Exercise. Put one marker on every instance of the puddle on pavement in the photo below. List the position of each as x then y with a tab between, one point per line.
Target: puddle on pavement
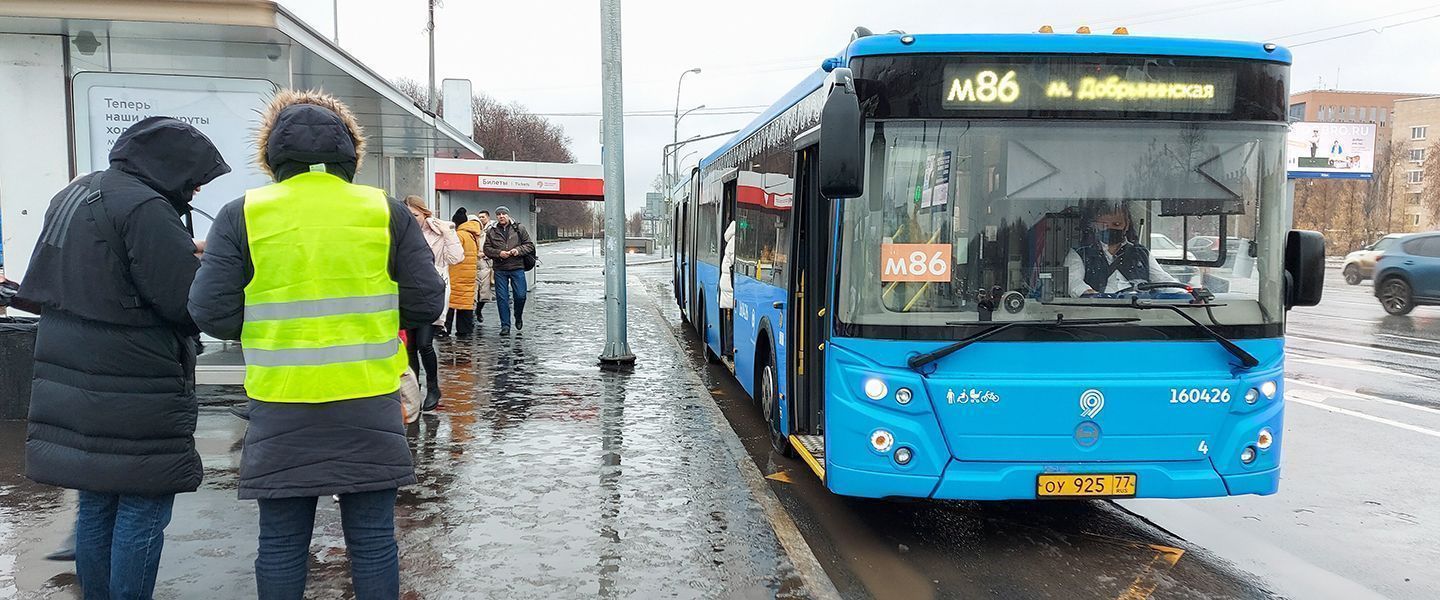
540	476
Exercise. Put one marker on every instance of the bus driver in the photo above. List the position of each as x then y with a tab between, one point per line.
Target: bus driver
1110	260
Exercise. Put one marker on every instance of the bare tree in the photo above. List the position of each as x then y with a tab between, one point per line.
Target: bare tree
634	224
1387	205
506	131
511	132
571	218
1429	191
415	90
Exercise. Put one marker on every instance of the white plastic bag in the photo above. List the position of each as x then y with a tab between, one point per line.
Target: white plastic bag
410	396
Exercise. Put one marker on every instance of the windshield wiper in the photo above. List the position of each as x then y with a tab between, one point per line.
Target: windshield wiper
921	360
1246	359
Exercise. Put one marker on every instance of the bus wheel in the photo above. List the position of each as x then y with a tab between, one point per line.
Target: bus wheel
767	391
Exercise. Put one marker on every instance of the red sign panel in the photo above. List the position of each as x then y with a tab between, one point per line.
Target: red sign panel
540	186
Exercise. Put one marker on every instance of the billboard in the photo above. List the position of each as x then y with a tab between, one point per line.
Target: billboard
227	110
1332	150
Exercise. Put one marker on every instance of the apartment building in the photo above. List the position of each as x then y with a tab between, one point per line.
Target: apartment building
1345	106
1416	127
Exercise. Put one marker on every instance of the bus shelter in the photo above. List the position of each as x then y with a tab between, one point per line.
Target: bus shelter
76	74
478	185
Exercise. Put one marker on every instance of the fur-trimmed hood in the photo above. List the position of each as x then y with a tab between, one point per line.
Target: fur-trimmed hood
307	128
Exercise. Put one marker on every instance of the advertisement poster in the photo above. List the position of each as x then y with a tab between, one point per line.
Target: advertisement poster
1341	150
226	110
936	184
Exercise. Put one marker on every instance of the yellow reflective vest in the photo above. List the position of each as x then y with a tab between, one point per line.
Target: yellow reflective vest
322	314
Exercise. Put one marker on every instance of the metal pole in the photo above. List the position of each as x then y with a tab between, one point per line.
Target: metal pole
335	8
675	128
433	101
617	347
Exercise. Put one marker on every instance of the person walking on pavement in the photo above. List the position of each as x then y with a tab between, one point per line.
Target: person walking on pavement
445	250
464	280
484	268
316	275
112	410
508	245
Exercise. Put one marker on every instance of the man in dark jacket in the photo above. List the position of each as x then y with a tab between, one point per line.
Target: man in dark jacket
316	276
507	244
112	409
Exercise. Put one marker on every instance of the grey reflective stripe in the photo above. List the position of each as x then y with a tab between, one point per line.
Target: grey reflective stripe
311	357
328	307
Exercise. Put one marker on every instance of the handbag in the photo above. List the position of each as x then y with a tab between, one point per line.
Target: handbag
410	396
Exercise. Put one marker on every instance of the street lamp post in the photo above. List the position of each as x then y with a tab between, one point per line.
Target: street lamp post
675	130
617	347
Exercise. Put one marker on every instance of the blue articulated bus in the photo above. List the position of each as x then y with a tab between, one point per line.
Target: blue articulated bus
984	266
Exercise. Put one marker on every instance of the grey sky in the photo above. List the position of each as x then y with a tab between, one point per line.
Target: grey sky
545	53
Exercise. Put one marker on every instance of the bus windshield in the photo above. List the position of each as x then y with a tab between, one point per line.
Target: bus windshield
1069	218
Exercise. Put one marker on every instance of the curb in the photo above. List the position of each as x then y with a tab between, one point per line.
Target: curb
602	266
802	558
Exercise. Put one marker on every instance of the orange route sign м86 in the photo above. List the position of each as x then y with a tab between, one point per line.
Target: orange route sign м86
915	262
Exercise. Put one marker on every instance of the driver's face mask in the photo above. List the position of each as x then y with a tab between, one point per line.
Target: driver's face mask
1108	235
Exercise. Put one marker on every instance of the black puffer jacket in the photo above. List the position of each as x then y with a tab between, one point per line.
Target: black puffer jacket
349	446
113	401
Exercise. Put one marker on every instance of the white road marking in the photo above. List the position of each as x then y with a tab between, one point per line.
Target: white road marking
1355	365
1357	346
1368	417
1406	337
1328	317
1363	396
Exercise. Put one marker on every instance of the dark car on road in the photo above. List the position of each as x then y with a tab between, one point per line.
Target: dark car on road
1408	273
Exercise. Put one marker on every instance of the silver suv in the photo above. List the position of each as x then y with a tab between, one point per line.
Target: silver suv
1360	264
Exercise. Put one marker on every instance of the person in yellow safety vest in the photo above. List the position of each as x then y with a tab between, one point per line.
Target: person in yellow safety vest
316	276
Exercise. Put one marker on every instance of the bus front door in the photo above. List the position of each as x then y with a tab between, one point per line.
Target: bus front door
727	316
806	332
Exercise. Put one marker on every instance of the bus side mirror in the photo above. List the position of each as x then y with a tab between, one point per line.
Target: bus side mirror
842	157
1304	268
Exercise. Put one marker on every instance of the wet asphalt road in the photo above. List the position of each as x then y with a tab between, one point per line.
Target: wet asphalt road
596	485
541	476
1355	516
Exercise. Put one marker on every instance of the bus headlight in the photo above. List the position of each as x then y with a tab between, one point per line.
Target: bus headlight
903	455
1247	455
875	389
1252	395
1265	439
881	440
1269	388
903	395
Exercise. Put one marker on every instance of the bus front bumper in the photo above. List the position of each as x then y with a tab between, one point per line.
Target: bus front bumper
965	480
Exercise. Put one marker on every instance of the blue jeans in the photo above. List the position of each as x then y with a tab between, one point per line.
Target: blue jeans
118	539
368	519
504	282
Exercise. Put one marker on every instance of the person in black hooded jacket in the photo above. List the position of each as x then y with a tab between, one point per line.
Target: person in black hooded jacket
299	448
112	409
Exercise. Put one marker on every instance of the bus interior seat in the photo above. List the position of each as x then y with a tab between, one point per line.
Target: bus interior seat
1049	244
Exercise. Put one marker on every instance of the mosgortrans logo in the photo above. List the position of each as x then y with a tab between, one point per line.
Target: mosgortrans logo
1091	403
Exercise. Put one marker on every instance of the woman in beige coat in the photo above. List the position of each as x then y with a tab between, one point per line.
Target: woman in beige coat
484	269
445	245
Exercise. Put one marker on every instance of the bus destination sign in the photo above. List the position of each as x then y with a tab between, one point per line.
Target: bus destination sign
1067	86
